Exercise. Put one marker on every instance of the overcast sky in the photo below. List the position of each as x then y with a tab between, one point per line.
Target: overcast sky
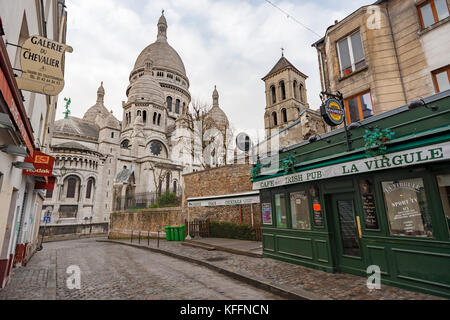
228	43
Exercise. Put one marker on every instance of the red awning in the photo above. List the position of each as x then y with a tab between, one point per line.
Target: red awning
49	184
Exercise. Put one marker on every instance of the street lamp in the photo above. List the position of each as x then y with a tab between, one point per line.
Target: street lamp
63	171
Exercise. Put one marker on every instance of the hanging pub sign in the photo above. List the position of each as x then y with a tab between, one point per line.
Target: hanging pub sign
43	165
332	112
42	62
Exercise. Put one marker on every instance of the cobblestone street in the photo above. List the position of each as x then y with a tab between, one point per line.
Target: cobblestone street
113	271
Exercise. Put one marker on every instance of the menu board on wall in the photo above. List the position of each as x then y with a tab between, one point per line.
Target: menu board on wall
370	213
266	213
317	213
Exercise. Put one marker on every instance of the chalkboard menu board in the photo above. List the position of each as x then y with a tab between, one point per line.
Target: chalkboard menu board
368	203
317	214
370	213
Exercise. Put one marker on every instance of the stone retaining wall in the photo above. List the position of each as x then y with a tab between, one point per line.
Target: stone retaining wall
228	179
153	220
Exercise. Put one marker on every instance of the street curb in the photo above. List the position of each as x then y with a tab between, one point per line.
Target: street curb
50	290
281	290
225	249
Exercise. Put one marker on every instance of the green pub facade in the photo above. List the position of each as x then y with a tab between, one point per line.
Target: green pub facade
384	200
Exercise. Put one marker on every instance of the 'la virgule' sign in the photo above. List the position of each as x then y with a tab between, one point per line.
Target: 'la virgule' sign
332	112
437	152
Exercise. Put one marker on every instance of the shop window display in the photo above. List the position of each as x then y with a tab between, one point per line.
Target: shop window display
300	210
407	208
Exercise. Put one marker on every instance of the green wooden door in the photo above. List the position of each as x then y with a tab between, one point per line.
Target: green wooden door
347	240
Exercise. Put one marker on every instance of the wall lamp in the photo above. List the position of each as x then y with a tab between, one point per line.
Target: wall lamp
5	122
14	150
314	139
354	125
23	165
420	103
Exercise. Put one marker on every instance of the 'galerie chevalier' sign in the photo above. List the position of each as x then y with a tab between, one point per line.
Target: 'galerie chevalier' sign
42	66
437	152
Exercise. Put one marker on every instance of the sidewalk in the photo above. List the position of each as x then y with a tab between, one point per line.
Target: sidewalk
243	247
289	280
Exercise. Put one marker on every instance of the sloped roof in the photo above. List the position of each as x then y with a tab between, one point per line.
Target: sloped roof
282	64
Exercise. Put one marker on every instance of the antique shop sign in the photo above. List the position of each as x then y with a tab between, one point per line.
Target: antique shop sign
437	152
224	202
42	66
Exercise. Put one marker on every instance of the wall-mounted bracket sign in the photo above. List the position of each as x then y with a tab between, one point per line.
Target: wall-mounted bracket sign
42	62
43	164
332	112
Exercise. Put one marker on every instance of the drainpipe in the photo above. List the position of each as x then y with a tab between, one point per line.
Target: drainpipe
396	54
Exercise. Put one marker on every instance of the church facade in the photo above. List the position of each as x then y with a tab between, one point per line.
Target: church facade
103	164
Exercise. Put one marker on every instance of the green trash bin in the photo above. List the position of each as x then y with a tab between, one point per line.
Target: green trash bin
176	233
168	233
181	232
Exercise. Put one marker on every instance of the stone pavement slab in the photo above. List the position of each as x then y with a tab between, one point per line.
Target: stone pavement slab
274	273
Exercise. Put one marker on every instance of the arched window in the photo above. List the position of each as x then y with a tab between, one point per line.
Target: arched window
183	111
284	115
282	90
169	104
274	119
112	134
167	182
125	144
71	187
154	117
274	94
174	186
301	92
295	89
89	186
177	106
159	119
139	112
144	116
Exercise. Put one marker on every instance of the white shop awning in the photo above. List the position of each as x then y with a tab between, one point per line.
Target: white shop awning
225	200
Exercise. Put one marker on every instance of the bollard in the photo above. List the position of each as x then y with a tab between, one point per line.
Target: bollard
148	238
139	238
158	238
131	236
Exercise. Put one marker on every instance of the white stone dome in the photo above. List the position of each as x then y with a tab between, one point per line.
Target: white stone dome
146	89
162	54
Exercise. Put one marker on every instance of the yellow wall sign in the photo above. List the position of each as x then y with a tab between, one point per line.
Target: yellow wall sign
42	65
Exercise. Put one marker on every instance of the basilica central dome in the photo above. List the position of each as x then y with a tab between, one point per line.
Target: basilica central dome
161	53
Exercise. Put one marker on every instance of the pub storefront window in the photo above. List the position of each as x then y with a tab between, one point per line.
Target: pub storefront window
407	208
300	210
444	191
280	210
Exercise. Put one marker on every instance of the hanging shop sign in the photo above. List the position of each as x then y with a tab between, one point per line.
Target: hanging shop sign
437	152
9	99
332	112
42	62
43	164
224	202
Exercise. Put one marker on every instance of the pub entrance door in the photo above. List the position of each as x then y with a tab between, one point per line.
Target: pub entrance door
347	240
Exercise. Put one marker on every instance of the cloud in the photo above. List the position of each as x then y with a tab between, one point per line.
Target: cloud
228	43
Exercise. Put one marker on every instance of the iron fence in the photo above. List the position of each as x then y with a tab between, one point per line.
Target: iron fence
141	201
